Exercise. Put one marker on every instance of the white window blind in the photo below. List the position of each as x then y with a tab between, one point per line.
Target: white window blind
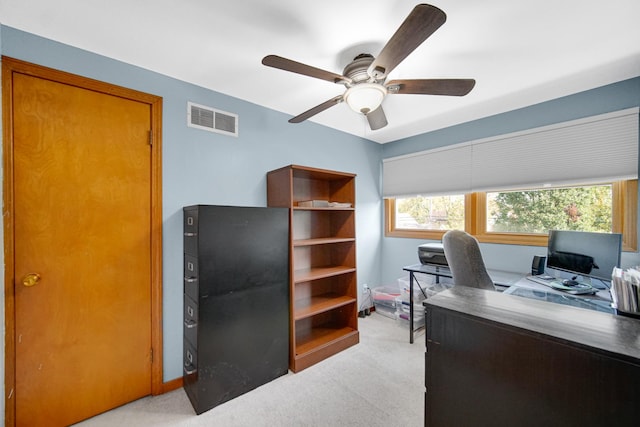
596	149
438	171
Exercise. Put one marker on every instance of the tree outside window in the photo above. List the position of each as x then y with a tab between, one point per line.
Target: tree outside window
431	213
538	211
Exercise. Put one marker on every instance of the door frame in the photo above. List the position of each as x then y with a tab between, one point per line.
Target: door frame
9	67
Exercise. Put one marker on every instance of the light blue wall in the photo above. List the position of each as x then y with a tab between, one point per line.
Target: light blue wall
208	168
399	252
613	97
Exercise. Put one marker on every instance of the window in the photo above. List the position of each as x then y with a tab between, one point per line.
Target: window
540	210
404	218
519	217
430	213
568	162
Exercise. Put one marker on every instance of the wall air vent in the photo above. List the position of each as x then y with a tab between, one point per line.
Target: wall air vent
207	118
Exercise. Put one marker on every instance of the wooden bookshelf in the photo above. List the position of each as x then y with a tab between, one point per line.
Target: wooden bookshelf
320	304
322	241
323	299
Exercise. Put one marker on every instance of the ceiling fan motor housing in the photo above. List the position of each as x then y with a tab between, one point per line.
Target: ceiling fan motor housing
357	69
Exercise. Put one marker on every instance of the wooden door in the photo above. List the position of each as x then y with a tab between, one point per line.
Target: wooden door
82	227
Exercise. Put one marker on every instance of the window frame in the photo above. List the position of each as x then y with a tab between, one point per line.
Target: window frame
624	220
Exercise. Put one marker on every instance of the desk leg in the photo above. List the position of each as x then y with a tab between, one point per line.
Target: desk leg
411	278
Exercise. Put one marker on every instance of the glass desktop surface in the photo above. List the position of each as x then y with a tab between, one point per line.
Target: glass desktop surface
588	303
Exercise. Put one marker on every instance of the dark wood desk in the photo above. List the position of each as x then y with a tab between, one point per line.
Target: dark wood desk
502	360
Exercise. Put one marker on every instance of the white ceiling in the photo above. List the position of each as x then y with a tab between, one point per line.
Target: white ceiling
519	52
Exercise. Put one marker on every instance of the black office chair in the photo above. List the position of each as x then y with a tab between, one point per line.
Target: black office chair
465	260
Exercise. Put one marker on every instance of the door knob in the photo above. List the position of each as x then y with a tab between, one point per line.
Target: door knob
31	279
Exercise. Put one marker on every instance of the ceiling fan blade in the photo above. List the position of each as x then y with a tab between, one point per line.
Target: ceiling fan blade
300	68
451	87
377	119
423	21
317	109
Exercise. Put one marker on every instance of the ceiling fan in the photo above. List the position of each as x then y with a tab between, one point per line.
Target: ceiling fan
365	77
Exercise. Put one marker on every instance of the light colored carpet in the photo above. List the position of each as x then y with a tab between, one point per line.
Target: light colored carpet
379	382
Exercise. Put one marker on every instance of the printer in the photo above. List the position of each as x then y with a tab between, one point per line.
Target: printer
432	253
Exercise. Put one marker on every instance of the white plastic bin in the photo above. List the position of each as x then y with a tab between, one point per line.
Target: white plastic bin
384	300
428	284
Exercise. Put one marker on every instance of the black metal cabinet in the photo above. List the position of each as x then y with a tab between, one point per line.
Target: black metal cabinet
236	300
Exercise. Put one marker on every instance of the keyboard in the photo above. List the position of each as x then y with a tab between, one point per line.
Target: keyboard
553	283
542	279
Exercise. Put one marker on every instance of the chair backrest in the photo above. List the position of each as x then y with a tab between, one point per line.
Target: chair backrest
465	260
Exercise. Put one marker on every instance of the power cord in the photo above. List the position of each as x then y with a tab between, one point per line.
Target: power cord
368	299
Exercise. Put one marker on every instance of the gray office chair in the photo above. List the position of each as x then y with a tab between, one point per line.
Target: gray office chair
465	260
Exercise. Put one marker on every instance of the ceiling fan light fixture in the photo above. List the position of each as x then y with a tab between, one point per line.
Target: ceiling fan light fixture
365	97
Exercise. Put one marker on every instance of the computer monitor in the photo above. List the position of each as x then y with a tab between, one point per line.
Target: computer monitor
584	253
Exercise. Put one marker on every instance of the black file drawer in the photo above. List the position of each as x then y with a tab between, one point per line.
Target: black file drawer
191	287
191	277
190	360
190	221
191	321
190	240
190	266
190	243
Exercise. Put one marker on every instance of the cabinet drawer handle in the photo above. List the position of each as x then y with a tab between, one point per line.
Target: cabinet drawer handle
190	324
190	279
190	234
189	369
